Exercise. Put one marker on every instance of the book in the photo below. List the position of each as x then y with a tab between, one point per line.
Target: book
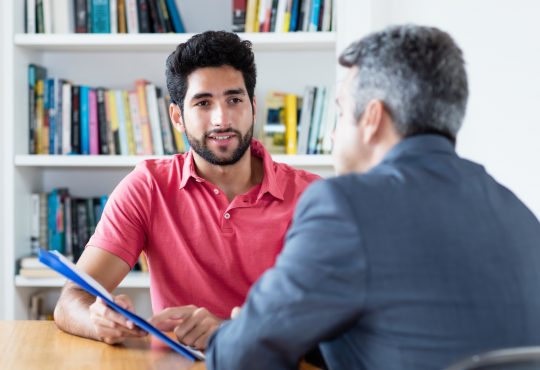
113	15
100	16
144	16
61	16
291	123
176	19
239	15
80	16
30	16
66	268
93	122
305	119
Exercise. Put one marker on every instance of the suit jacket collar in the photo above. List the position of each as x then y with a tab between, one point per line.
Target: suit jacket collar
420	145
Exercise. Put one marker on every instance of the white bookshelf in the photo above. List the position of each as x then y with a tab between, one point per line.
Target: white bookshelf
97	161
132	280
285	62
167	42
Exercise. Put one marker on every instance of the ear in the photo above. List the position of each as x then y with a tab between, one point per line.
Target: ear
254	107
176	117
372	120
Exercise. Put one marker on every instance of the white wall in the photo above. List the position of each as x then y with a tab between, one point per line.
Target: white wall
500	41
2	247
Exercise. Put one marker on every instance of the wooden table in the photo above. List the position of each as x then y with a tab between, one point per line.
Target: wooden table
39	345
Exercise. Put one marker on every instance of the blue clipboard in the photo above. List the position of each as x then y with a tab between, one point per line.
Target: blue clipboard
63	266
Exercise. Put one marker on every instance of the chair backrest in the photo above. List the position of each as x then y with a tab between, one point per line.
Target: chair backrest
524	358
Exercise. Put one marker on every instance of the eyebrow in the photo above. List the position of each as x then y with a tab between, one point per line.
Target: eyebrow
203	95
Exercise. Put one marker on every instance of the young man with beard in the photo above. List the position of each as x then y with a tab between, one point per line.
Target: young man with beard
210	221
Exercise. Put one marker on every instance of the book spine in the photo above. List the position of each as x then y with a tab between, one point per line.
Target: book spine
84	120
314	19
47	16
305	119
61	16
294	15
166	133
140	86
34	222
80	16
40	24
251	14
317	118
66	118
122	132
100	16
136	121
30	12
102	121
154	17
32	109
131	15
144	17
113	15
75	120
89	16
51	114
153	114
93	122
129	124
113	109
291	123
176	19
239	15
58	113
166	16
122	22
273	15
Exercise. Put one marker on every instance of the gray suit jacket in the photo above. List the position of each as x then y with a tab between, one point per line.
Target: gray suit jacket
418	263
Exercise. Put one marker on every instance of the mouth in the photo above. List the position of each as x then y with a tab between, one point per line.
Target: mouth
222	138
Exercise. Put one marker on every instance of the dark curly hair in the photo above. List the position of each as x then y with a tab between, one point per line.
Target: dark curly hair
209	49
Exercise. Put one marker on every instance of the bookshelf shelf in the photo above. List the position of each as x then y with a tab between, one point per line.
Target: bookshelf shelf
299	41
133	280
116	161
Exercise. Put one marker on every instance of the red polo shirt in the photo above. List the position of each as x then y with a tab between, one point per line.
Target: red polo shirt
201	249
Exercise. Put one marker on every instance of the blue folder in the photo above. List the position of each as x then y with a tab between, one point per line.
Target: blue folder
62	265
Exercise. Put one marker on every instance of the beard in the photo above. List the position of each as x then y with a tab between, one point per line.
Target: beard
200	147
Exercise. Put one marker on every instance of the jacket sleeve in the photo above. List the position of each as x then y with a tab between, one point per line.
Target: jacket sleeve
313	293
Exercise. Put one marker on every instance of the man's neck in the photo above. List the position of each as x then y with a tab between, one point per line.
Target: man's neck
235	179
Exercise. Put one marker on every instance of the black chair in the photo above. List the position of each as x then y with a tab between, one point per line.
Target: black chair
523	358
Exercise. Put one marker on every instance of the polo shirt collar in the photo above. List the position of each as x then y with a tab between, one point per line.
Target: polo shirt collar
269	183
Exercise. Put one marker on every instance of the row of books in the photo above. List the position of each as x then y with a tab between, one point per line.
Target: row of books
63	223
308	130
102	16
65	118
283	15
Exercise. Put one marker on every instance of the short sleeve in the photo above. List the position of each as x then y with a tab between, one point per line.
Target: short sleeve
122	229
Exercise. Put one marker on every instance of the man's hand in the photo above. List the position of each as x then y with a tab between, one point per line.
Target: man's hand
192	325
110	326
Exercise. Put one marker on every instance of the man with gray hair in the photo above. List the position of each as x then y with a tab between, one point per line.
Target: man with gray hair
413	257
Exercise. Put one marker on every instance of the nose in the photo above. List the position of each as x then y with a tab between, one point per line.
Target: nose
219	117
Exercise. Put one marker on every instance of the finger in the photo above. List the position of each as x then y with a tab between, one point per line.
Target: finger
202	342
235	312
170	317
99	308
100	322
125	302
182	330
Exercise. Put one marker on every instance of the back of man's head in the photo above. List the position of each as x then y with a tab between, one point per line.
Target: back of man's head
417	72
209	49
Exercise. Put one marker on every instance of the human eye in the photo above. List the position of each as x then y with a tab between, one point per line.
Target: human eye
235	100
202	103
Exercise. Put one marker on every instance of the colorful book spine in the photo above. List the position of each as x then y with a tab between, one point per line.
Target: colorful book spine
136	121
239	15
153	115
291	123
176	18
315	13
66	117
129	124
140	86
93	122
100	16
85	119
103	128
113	111
75	120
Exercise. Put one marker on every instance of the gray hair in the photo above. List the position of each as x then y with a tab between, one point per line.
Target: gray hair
417	72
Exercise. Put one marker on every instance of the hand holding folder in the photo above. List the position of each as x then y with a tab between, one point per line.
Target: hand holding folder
62	265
